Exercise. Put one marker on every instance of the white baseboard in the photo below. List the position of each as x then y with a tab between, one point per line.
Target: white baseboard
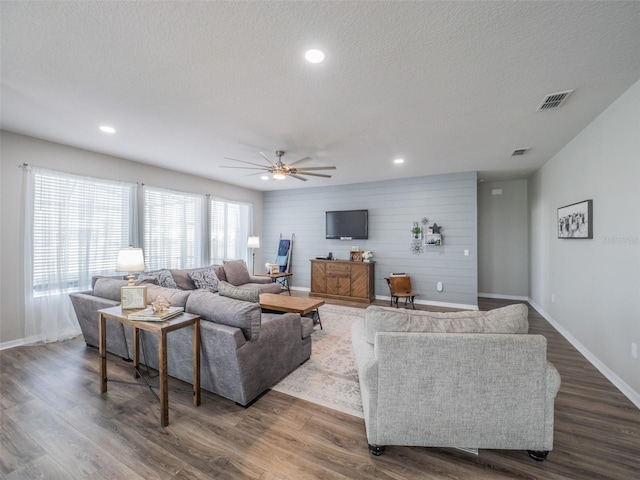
620	384
463	306
503	297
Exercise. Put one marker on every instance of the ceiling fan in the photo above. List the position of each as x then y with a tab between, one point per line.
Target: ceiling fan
279	170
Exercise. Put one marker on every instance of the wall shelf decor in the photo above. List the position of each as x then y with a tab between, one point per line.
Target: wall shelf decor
425	236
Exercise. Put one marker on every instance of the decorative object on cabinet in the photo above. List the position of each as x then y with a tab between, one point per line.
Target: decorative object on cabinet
356	256
367	255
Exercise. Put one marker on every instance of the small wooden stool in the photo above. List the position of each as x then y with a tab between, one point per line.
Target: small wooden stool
400	287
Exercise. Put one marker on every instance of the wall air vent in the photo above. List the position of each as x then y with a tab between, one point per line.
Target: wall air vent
519	151
554	100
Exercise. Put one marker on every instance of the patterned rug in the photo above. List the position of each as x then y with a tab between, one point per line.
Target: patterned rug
329	378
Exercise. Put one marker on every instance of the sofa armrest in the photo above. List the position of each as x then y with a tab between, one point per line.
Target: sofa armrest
262	280
367	366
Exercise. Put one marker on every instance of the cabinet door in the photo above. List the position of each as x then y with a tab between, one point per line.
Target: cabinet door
318	277
344	286
360	280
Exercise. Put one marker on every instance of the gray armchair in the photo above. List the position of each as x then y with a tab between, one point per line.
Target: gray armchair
464	379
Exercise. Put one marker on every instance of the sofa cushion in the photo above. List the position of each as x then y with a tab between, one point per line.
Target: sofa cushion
182	279
236	272
510	319
219	269
213	307
177	298
246	295
205	278
163	277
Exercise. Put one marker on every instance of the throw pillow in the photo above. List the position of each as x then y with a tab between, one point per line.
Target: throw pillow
163	277
227	290
236	272
205	278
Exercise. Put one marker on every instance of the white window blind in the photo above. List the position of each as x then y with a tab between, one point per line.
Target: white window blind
79	224
230	225
173	229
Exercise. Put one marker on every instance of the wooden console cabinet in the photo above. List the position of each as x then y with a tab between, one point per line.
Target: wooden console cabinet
343	280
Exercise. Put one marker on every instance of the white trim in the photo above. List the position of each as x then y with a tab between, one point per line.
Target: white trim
463	306
620	384
20	342
503	297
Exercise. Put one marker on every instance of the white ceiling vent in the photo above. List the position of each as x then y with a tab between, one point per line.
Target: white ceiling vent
519	151
554	100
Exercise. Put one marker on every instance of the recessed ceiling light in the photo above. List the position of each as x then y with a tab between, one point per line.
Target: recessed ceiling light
398	160
107	129
314	56
264	177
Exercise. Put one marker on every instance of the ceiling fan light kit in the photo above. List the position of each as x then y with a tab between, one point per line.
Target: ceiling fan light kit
280	170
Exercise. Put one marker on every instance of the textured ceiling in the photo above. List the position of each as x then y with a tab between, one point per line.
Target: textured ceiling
449	86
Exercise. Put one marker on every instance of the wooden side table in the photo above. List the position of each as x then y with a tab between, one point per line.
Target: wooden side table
161	329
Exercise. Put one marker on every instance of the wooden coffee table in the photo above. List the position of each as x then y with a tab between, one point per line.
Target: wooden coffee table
299	305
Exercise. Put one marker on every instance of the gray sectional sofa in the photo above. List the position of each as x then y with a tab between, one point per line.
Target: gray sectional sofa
243	351
463	379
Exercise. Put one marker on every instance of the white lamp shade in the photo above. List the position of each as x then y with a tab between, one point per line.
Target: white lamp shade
130	260
254	242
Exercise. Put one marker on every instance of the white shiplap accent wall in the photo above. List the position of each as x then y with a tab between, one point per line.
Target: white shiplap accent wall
449	200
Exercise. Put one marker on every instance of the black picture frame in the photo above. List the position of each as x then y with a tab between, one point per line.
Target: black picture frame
575	221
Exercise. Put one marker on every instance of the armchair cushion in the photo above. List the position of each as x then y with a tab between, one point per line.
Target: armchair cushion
509	319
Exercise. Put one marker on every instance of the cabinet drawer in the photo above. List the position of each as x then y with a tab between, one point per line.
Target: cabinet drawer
338	269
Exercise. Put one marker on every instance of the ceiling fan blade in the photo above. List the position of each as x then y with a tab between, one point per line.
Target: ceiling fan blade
266	169
298	177
243	161
265	156
315	174
305	159
316	168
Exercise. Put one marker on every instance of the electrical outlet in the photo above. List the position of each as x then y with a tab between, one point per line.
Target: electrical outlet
634	350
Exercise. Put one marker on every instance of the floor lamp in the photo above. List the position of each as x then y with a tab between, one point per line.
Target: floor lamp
253	243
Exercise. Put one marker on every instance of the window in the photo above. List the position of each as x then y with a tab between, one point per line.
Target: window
230	229
79	223
174	225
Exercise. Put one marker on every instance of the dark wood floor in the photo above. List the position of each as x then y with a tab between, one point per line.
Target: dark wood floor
56	424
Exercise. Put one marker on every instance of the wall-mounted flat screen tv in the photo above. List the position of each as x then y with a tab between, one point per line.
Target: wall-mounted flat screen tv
347	224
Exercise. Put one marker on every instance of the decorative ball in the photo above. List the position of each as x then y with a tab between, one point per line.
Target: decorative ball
160	305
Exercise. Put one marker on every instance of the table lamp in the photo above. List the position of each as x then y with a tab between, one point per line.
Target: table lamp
253	243
131	260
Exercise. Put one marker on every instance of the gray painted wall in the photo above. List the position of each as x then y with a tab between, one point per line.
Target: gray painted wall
503	240
19	149
448	200
595	282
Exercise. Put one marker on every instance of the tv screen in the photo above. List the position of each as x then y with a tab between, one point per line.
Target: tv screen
347	224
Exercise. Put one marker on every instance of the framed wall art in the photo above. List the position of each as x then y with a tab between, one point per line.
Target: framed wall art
576	220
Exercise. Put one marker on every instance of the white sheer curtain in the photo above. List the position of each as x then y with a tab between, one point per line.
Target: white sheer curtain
230	227
73	228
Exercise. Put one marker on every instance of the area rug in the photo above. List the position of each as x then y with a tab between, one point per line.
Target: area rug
329	378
